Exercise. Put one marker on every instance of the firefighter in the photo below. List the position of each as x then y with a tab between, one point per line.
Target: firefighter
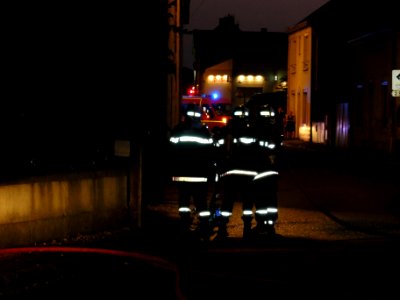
247	175
191	146
268	130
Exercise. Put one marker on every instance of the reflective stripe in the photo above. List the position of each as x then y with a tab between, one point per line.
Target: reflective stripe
240	113
193	114
266	144
247	212
239	172
184	209
204	214
265	113
268	222
190	138
247	140
226	213
264	174
269	210
189	179
250	173
216	178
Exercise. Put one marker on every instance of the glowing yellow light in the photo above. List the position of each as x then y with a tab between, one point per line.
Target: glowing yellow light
304	132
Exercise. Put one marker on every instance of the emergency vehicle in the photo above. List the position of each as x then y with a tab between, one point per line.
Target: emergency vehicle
216	114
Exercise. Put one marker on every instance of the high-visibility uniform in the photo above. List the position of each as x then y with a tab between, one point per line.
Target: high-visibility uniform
193	170
247	175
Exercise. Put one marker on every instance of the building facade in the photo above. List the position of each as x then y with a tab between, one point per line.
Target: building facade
299	84
340	65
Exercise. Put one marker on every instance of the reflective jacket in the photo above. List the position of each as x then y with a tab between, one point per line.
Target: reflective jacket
247	162
192	153
241	146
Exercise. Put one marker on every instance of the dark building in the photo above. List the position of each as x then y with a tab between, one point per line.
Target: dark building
229	52
354	48
81	76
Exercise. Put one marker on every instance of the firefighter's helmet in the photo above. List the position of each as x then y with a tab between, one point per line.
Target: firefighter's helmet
266	111
240	112
193	111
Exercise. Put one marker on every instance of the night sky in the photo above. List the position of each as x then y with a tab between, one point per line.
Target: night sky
274	15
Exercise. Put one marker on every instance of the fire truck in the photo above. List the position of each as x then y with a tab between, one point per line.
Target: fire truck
216	114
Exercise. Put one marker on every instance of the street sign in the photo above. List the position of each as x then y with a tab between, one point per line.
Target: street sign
396	93
396	80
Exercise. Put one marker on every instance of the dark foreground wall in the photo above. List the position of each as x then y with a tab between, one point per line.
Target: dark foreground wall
53	207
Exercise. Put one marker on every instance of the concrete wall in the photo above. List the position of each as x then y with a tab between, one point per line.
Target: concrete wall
54	207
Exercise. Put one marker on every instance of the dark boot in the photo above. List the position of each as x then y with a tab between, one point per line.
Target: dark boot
265	227
186	221
204	228
247	227
223	228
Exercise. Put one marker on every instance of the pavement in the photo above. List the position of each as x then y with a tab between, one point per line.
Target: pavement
324	195
324	190
337	235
